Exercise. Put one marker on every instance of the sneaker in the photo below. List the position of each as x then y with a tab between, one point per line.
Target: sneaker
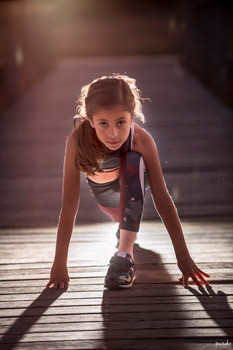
121	272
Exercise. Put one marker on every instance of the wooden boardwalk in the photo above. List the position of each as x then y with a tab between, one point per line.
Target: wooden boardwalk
156	313
193	132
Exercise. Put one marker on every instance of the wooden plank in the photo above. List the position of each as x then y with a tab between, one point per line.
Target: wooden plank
194	225
84	271
22	235
114	325
181	316
119	334
149	290
118	300
198	258
140	279
143	277
146	270
96	230
146	227
35	267
138	289
157	246
80	309
96	257
145	344
36	289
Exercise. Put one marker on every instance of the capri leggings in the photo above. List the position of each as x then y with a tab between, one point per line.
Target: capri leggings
123	199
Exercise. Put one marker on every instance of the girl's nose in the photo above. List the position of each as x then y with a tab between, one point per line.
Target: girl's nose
112	132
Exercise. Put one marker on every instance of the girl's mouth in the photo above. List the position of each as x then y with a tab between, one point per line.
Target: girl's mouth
113	143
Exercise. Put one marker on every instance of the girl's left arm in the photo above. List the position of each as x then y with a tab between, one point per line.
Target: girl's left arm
167	210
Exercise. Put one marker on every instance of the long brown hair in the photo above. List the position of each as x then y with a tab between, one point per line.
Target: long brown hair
103	92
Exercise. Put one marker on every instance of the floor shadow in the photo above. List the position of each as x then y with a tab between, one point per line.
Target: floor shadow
223	317
29	317
133	318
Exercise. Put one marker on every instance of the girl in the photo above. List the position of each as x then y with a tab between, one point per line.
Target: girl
118	158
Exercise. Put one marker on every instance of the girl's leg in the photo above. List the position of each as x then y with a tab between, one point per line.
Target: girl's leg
132	191
125	205
131	200
126	244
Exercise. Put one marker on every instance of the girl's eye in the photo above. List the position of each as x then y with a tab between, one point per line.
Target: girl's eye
121	123
103	124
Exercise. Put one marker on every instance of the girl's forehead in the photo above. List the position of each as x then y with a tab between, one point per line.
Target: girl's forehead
111	113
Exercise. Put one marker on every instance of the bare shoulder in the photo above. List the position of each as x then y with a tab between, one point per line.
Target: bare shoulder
142	139
71	146
71	138
145	145
72	133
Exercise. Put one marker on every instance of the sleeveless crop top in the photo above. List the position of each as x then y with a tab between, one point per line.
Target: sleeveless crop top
112	161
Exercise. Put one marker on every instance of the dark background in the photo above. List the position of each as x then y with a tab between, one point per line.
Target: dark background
34	34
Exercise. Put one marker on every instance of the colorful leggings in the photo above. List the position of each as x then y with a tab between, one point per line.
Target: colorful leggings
123	199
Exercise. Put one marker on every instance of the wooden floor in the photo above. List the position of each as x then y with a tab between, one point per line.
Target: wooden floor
156	313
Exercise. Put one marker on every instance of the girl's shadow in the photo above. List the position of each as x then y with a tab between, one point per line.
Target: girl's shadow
133	324
29	317
133	318
209	299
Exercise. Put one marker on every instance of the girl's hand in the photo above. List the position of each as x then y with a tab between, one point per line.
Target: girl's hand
190	269
59	276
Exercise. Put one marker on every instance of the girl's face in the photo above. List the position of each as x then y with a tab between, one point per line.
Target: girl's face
112	126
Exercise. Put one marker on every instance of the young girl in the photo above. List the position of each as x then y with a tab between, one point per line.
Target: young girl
118	158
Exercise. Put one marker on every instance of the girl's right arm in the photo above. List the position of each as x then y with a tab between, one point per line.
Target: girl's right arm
70	200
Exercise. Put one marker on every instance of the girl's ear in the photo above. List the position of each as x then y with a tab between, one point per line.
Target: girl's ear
91	124
132	118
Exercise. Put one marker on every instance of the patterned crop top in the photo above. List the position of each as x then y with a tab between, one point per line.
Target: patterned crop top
112	161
